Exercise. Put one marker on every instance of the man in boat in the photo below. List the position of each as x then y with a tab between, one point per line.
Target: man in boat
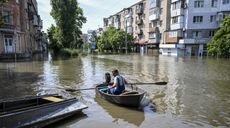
118	86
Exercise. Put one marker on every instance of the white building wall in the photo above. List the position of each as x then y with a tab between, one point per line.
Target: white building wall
205	11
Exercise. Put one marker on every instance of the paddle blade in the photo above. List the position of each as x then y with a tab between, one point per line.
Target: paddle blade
155	83
161	83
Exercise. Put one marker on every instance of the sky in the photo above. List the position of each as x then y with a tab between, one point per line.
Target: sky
94	11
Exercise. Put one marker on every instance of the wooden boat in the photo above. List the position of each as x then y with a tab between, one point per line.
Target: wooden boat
131	97
37	111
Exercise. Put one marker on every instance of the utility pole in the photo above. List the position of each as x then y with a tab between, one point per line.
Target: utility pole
126	49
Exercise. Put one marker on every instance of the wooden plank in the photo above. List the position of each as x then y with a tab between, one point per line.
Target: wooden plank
53	99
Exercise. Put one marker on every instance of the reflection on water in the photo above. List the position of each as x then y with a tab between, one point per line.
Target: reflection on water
198	91
131	115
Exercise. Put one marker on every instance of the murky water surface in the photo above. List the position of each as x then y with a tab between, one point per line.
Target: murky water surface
197	95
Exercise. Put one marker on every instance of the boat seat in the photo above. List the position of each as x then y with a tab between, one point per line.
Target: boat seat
129	93
53	99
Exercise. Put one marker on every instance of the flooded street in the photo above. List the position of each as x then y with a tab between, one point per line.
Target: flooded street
197	93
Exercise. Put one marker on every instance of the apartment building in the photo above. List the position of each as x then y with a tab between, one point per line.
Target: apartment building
193	23
134	20
145	20
159	19
20	29
176	27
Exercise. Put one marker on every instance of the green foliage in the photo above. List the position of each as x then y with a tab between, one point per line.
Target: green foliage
3	1
54	39
113	40
220	43
66	52
69	20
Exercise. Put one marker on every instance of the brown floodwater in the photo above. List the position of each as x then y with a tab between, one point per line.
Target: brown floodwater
197	93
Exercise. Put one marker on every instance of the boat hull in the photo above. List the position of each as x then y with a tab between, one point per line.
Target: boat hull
40	115
132	100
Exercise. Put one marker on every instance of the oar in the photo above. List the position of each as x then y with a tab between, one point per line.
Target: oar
75	90
156	83
83	89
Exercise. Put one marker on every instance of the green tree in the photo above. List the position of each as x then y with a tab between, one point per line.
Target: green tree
3	1
54	41
69	19
113	40
220	43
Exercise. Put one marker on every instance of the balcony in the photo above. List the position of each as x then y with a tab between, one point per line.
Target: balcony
153	29
177	26
153	41
117	25
194	41
35	21
139	21
172	40
38	36
154	17
129	30
139	32
172	1
177	12
129	22
41	23
128	12
139	10
168	46
154	4
128	15
7	27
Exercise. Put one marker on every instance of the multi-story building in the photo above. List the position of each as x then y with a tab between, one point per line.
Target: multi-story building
177	27
133	20
20	29
159	19
145	20
92	34
193	23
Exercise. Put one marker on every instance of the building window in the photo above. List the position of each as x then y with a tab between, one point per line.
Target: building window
152	35
174	20
199	3
211	33
197	19
196	34
225	1
214	3
6	17
176	5
212	18
173	34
